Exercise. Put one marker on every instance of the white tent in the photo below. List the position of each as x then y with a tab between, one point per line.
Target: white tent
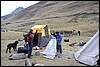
50	50
89	53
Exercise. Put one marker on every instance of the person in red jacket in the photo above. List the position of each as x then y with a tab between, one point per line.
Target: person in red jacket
30	42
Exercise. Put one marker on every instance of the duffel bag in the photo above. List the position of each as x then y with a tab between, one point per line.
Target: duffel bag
22	50
17	56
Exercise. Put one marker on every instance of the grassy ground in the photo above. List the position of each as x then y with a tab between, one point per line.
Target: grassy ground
67	58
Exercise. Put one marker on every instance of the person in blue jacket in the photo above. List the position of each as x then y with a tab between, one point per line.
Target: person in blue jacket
59	43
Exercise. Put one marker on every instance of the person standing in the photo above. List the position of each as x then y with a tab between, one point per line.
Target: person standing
35	40
30	43
59	43
25	38
54	34
79	33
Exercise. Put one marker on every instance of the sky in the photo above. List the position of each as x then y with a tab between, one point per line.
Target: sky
9	6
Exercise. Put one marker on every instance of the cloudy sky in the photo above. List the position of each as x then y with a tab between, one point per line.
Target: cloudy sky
9	6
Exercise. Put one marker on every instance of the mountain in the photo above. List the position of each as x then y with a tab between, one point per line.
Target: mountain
5	16
58	15
45	9
17	10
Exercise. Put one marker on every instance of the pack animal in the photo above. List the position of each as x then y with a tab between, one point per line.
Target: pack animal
12	45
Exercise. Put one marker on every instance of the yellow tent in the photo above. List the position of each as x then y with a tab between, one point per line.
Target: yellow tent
41	29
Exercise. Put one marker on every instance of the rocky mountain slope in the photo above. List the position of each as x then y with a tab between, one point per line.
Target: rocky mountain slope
17	10
46	9
58	15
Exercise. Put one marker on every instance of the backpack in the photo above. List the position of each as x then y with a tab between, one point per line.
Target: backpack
30	36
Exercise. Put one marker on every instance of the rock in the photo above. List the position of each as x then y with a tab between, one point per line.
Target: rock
33	63
27	62
68	57
39	64
59	56
37	53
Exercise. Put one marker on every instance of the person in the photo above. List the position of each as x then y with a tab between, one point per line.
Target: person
59	43
79	33
25	38
35	40
54	34
30	43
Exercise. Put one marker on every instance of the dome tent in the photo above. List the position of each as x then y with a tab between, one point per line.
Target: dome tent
89	53
44	34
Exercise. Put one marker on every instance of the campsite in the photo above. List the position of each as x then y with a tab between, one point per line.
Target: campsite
67	58
68	16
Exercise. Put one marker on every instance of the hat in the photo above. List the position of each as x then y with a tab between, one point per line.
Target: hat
31	31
